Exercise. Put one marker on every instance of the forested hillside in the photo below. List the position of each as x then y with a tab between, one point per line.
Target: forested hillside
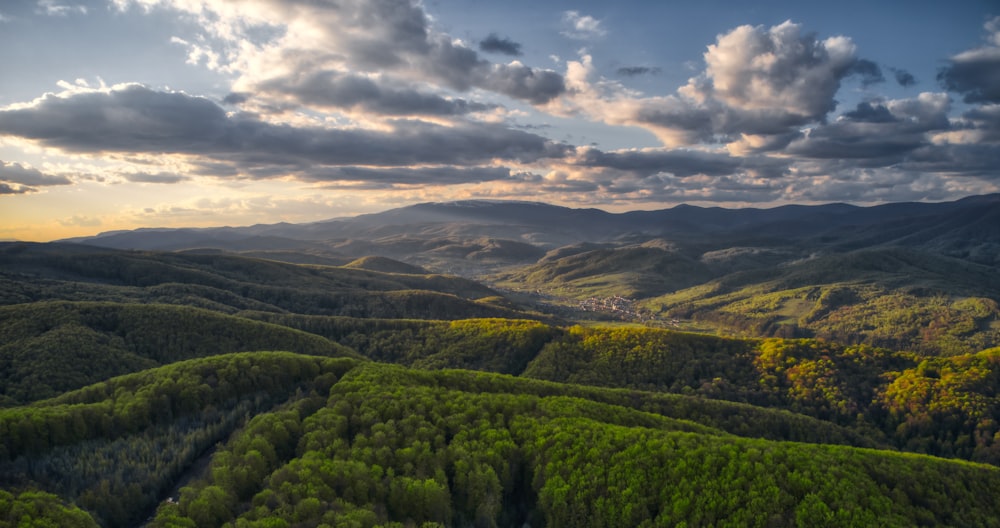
947	406
230	283
340	442
47	348
116	447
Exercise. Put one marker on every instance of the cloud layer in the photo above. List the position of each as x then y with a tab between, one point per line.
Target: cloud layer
372	95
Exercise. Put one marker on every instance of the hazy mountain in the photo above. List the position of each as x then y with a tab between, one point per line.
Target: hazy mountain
968	228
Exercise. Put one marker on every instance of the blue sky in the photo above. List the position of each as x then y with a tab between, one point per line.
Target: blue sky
117	114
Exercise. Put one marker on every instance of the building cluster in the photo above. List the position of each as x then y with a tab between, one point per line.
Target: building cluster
616	304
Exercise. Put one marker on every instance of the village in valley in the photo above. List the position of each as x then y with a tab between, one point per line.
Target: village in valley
623	307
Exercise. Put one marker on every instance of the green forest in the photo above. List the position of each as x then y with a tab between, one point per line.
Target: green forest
190	390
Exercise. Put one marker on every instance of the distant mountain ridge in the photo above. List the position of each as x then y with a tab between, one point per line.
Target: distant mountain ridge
967	228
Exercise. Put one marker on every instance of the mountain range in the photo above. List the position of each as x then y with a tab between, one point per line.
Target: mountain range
967	228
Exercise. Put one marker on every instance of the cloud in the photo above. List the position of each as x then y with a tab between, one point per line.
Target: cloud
581	27
159	177
281	42
493	43
971	160
869	72
29	177
867	185
389	177
55	8
80	221
11	189
903	77
135	119
680	163
979	125
882	134
235	98
635	71
332	89
976	73
757	81
777	73
521	82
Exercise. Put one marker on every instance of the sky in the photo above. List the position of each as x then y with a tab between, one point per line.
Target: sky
121	114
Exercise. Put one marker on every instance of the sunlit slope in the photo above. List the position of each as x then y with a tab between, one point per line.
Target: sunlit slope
455	449
896	298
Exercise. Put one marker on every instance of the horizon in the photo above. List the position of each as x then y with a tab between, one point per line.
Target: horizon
74	239
126	114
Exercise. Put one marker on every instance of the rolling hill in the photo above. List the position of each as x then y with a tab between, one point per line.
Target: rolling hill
52	347
230	283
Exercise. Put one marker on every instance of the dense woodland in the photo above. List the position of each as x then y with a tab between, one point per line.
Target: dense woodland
208	389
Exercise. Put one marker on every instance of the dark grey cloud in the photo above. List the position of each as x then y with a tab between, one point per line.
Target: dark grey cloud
493	43
881	134
130	119
19	174
236	98
159	177
409	39
975	160
869	72
871	113
394	37
635	71
985	122
461	69
680	163
903	77
843	142
521	82
8	189
345	90
137	119
219	169
389	177
975	74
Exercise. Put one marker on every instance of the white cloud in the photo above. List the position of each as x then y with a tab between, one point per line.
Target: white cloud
581	27
56	8
756	81
81	221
